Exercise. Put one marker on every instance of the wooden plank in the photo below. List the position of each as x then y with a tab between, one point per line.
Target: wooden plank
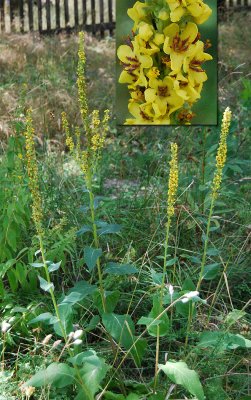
110	16
21	15
88	28
93	15
76	19
84	12
66	14
30	15
2	16
231	3
239	3
101	10
48	14
57	6
39	15
12	15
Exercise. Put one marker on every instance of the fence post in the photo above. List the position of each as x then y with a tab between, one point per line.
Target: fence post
2	17
57	4
21	15
39	15
84	12
110	17
101	11
48	15
66	14
12	15
76	19
30	14
93	13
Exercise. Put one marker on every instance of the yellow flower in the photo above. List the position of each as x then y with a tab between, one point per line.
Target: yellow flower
163	15
145	31
178	44
199	10
173	180
153	73
162	94
221	153
137	13
177	9
192	64
133	64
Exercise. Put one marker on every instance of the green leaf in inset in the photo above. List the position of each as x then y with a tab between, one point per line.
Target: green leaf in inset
91	256
57	375
180	374
44	285
120	269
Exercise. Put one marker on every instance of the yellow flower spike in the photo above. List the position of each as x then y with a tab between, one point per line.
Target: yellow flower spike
221	153
32	169
173	180
105	122
69	141
81	78
78	143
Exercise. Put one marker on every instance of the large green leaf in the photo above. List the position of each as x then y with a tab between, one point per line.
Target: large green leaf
120	269
121	328
163	327
111	300
93	371
223	341
66	318
180	374
91	256
57	375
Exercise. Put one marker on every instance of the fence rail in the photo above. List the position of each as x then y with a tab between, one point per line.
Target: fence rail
53	16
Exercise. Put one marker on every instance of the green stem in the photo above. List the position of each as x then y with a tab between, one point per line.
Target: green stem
161	302
95	237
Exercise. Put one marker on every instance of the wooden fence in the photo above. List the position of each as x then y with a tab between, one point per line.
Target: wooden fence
53	16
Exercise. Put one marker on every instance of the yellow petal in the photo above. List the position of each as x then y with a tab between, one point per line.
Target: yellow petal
190	31
150	95
145	32
126	78
171	30
146	61
123	52
176	61
177	14
159	38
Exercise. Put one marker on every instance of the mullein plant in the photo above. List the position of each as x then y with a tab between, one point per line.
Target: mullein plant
37	216
162	61
95	131
171	199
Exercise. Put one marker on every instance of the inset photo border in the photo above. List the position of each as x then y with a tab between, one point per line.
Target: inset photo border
166	69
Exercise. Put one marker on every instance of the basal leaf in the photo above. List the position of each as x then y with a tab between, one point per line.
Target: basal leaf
57	375
180	374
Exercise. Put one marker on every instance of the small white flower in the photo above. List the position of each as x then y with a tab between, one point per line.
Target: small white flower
77	334
46	339
185	300
171	290
70	336
56	344
190	295
77	342
5	326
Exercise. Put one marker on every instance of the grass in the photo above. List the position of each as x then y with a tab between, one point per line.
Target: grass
133	183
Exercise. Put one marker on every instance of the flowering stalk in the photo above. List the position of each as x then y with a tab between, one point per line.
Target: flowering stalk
172	194
216	184
220	163
33	181
95	134
162	61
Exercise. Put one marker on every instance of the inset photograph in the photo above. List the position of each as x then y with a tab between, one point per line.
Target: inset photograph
166	62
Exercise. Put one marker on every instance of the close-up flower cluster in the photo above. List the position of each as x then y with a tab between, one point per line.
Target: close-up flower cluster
162	61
